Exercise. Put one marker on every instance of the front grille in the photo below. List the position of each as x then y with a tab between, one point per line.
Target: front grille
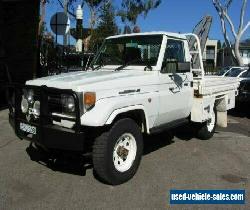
55	104
50	102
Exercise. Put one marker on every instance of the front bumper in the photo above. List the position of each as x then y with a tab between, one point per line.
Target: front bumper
50	136
47	134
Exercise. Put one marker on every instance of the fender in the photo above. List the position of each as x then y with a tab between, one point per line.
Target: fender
202	108
107	109
116	112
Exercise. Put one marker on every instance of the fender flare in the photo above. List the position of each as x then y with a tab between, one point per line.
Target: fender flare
116	112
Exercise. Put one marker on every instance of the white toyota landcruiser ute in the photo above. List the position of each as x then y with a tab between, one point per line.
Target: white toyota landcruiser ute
137	84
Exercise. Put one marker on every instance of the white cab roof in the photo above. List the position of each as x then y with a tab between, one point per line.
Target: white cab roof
177	35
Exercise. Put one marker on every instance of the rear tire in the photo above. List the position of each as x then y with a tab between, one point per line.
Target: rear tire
206	130
117	153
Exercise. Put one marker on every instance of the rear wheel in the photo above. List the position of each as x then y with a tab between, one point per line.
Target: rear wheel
117	153
206	130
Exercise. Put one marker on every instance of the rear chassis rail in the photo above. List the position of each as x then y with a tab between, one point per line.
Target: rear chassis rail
49	135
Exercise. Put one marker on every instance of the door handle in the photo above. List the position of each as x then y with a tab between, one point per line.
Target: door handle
174	89
171	76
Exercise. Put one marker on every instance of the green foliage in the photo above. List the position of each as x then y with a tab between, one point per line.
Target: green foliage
106	24
131	9
94	3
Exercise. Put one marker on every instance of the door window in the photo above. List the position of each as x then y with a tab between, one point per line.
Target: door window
174	53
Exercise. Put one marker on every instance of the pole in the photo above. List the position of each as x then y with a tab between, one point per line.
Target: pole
56	45
66	13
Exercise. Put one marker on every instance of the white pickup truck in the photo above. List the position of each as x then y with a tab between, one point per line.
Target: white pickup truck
137	84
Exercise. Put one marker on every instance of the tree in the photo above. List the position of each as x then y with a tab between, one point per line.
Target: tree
42	17
92	4
222	9
93	7
106	24
132	9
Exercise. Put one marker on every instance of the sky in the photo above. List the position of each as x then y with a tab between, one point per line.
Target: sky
172	16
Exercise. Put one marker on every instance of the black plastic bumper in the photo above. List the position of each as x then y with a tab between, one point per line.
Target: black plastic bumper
51	136
47	134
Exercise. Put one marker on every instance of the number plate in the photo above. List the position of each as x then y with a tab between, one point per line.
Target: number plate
28	128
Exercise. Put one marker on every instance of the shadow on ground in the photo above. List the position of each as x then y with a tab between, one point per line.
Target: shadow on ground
64	162
77	164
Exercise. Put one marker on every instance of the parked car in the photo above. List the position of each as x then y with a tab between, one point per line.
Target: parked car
236	72
230	70
224	70
244	89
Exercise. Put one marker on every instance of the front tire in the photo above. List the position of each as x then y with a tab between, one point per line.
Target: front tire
117	153
206	130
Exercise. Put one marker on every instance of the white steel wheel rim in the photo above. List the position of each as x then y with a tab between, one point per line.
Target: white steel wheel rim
124	152
211	123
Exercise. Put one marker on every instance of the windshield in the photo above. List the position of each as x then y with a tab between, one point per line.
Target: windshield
137	50
234	72
222	72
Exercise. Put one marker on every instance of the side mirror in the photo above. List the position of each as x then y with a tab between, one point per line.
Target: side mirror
169	66
183	67
173	66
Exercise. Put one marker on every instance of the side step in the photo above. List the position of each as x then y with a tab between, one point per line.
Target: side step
168	126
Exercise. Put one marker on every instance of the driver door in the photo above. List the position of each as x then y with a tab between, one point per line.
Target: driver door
175	89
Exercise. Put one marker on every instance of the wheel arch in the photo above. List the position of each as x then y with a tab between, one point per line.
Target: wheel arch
136	113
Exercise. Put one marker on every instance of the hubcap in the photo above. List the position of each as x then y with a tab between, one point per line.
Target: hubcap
124	152
211	122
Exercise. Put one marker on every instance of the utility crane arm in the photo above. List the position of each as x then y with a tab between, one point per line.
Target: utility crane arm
197	44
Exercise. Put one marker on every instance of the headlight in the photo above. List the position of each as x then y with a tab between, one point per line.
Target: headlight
36	109
24	105
68	103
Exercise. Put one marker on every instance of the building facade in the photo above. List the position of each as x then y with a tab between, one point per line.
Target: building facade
210	55
225	57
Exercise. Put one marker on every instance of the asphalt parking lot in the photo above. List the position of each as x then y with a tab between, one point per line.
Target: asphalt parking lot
171	161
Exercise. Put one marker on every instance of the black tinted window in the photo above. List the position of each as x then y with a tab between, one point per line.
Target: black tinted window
174	50
174	53
137	50
234	72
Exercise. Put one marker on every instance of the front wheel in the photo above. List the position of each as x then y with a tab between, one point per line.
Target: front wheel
117	153
206	130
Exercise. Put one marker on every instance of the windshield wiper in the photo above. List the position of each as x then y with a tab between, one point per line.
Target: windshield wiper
102	63
127	64
131	62
97	67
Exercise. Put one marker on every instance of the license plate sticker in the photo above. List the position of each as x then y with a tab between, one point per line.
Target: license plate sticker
27	128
